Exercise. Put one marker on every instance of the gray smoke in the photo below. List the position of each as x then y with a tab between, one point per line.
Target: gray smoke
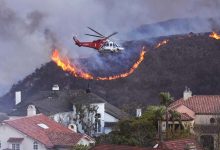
30	29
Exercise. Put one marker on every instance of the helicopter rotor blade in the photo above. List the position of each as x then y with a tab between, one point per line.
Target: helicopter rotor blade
96	32
95	35
111	35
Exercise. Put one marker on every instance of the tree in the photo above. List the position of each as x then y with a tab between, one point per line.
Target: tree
159	117
135	131
166	100
174	116
86	117
80	147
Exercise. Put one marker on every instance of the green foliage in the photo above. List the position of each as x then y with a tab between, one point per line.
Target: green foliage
166	98
179	134
135	131
80	147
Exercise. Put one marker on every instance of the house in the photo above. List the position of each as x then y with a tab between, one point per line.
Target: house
63	107
181	144
121	147
106	115
38	132
202	116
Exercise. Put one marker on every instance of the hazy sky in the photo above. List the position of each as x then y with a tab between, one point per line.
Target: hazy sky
29	28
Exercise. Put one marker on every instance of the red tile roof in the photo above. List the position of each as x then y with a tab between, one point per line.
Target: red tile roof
180	144
55	135
186	117
200	104
183	116
119	147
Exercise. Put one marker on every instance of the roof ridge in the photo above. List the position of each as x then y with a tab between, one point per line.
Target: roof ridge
23	117
206	95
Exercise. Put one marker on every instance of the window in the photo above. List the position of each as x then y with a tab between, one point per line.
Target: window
98	115
15	146
98	122
35	145
212	120
110	44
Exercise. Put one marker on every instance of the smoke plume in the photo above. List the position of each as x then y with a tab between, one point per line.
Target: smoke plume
29	30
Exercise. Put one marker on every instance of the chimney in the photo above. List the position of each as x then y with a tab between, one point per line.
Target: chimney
88	90
138	112
72	127
31	110
187	93
55	87
17	97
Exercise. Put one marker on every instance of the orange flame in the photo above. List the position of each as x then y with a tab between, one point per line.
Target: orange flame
66	65
161	43
215	35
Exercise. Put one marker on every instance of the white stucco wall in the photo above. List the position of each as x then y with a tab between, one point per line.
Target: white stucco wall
107	130
109	118
85	141
7	132
204	119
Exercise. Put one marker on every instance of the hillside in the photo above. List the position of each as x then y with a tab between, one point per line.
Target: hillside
191	61
176	26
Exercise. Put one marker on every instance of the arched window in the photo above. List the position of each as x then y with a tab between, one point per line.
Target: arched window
212	120
207	141
35	145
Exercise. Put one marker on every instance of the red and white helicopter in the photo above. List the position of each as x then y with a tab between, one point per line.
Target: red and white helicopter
102	45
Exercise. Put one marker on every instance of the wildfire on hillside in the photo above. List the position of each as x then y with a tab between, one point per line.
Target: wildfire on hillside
215	35
161	43
66	65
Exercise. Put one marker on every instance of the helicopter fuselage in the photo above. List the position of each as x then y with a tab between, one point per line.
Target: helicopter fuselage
102	45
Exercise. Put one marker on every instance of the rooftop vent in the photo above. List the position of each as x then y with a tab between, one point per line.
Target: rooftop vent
88	90
55	87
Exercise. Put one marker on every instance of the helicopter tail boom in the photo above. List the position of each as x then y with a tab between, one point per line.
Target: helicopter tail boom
77	42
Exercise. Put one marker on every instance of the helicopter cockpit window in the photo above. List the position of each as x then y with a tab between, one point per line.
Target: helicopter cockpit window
106	44
110	44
